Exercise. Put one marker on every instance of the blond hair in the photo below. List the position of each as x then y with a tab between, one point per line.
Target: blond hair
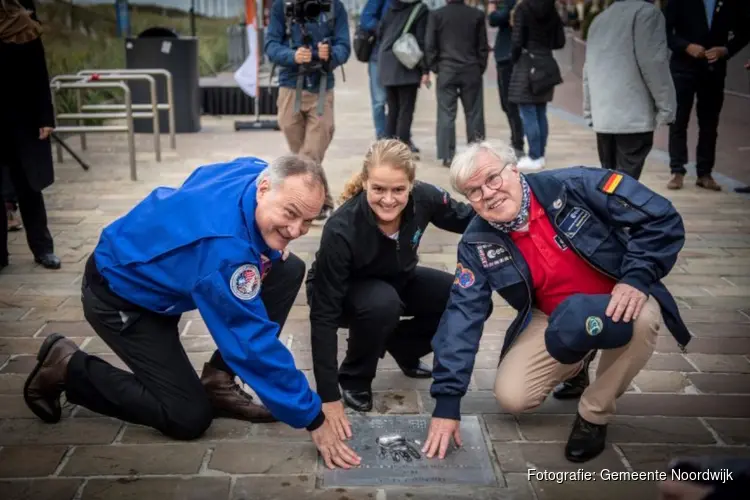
383	152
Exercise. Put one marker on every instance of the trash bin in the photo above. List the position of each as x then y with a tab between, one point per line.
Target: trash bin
162	48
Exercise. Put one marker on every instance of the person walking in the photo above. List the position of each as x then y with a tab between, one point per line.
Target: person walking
537	31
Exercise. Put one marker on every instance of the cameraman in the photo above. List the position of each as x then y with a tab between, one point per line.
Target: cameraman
309	130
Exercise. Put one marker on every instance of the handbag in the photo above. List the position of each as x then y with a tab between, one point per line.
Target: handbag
363	43
406	49
544	74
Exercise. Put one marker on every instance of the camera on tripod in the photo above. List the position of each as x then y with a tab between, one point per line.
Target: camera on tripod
302	11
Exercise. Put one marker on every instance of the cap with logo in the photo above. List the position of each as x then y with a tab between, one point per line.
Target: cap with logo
579	325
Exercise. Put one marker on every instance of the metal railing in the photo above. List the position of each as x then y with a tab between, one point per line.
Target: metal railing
80	116
169	106
57	84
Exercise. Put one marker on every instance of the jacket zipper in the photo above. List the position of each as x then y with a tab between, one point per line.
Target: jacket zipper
527	309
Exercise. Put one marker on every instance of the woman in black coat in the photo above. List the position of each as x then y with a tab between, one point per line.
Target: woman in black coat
401	83
26	121
537	31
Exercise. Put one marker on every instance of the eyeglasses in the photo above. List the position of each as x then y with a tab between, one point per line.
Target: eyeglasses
493	181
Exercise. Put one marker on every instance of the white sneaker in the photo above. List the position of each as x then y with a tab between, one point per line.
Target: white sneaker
526	163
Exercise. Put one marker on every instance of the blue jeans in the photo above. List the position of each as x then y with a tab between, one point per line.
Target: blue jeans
377	99
534	118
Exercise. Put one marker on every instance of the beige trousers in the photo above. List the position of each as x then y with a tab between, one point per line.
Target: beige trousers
306	133
527	373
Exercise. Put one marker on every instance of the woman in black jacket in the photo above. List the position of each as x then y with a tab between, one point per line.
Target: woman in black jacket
401	83
365	277
537	31
26	121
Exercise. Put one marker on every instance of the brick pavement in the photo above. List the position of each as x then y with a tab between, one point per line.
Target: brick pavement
698	403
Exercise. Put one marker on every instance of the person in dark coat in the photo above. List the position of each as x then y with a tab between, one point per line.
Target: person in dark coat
537	31
401	83
26	121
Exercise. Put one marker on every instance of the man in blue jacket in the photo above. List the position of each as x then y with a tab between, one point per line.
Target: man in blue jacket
216	244
544	242
499	17
308	51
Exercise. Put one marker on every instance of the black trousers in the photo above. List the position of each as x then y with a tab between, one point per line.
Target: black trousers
164	391
504	72
625	152
401	100
372	311
707	88
450	87
30	204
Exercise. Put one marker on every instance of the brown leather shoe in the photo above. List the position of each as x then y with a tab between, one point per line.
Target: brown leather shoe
46	382
708	182
676	181
228	398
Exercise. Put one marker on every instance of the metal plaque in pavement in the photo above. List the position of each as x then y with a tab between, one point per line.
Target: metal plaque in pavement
391	451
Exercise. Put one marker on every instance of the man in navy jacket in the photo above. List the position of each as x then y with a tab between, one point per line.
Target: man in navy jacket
541	239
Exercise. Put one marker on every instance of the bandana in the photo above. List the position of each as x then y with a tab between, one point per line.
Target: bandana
523	215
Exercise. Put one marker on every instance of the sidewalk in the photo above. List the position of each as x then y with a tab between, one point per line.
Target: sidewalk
693	404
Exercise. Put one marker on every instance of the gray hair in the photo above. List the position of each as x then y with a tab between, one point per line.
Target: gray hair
292	165
464	164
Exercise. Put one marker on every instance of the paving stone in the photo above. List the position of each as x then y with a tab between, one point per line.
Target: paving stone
731	430
520	457
40	489
595	490
283	458
221	429
203	343
657	457
713	316
12	313
279	431
701	345
132	460
622	429
484	379
19	365
660	381
502	427
11	383
668	362
720	383
684	405
30	461
386	380
68	328
395	402
720	330
19	328
720	363
193	488
21	432
13	406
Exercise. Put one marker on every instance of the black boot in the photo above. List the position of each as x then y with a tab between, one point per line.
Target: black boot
48	261
586	440
574	387
418	370
358	400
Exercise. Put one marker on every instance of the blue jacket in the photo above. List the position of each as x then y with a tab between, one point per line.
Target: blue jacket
281	47
370	18
500	19
198	247
632	235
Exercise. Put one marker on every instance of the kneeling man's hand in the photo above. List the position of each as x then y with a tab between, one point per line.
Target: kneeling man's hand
439	436
334	451
626	303
334	412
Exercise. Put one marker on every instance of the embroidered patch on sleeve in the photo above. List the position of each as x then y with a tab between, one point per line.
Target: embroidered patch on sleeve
610	184
492	255
464	276
245	282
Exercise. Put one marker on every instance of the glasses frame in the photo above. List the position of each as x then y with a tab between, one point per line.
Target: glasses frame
490	182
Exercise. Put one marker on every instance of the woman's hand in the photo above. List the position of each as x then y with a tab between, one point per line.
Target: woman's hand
44	132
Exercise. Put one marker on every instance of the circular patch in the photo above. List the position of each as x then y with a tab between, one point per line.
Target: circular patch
245	282
464	277
594	325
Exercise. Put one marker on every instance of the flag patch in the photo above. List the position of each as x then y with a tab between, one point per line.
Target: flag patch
610	185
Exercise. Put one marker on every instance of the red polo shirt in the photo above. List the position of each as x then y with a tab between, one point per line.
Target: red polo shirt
557	271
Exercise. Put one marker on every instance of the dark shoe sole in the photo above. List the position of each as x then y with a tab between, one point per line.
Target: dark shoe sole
41	356
359	408
426	375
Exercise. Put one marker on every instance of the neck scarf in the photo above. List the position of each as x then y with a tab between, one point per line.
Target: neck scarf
523	215
17	25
